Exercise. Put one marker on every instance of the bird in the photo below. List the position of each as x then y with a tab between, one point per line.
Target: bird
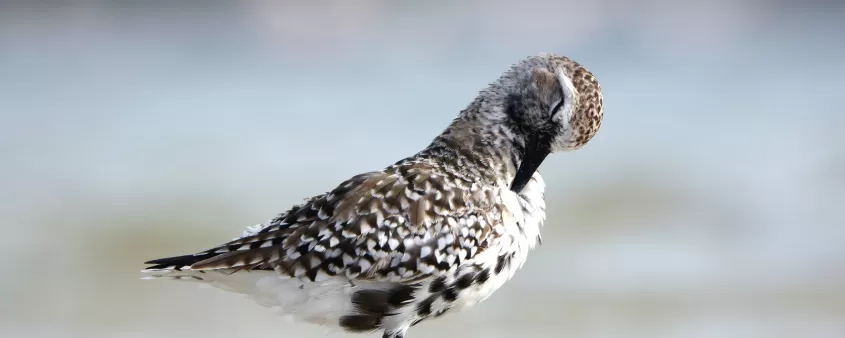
438	231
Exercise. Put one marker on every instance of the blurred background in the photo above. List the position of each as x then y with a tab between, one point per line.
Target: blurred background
710	204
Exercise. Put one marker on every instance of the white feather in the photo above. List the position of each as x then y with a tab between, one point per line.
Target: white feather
321	303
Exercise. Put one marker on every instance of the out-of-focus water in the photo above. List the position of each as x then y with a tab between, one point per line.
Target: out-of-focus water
709	204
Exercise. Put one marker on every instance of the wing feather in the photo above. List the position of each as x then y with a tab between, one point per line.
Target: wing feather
397	226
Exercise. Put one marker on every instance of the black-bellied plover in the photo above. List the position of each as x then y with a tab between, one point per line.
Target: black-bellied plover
437	231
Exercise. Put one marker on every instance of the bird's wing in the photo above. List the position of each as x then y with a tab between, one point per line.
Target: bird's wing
398	226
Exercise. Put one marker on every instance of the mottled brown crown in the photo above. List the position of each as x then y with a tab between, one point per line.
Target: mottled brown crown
587	115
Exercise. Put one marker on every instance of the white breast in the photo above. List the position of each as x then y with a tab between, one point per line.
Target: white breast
528	210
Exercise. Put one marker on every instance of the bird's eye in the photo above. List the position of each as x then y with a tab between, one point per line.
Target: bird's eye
556	107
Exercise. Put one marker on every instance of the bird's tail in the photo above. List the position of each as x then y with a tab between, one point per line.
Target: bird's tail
177	267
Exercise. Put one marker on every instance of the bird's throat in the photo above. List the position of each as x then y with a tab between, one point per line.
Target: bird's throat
535	151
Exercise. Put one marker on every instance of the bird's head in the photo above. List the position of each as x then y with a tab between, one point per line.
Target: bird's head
542	104
550	103
554	98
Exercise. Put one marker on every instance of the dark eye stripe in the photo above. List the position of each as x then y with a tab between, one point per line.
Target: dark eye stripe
557	107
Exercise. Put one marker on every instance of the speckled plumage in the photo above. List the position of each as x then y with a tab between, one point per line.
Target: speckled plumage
437	231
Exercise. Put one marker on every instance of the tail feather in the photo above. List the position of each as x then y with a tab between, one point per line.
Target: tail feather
177	263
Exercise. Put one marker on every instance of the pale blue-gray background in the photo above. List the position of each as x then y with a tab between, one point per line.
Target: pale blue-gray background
710	204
